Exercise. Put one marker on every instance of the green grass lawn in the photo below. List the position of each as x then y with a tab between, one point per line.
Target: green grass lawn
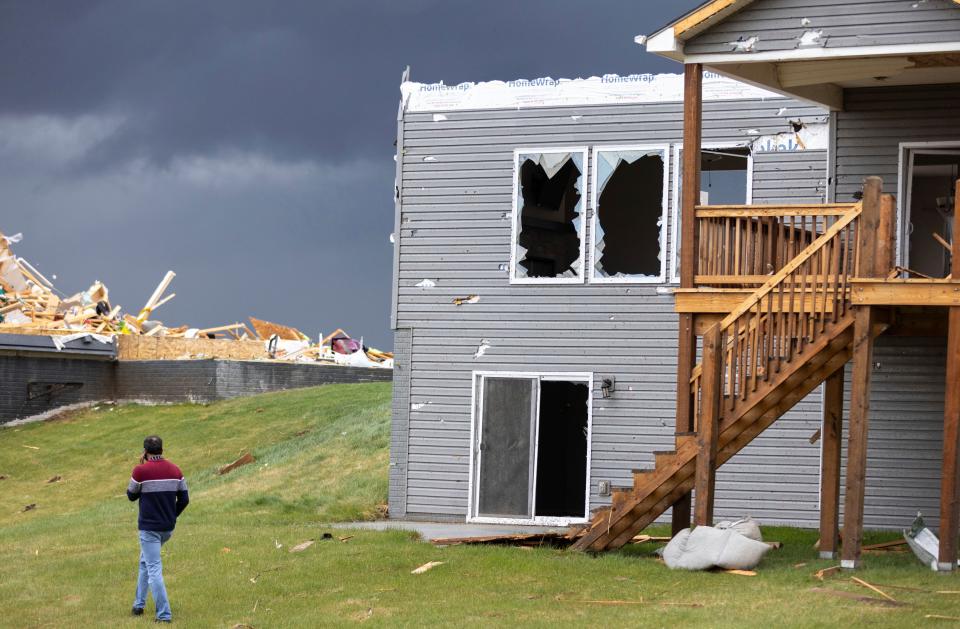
322	457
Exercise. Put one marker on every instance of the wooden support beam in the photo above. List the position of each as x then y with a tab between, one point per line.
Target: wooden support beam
830	439
950	472
708	430
862	371
899	292
687	340
886	235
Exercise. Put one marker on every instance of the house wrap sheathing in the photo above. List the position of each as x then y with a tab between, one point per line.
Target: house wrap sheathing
536	339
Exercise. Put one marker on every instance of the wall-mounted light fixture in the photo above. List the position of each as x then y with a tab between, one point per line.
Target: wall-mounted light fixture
607	386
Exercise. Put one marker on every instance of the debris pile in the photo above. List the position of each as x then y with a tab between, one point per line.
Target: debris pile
31	304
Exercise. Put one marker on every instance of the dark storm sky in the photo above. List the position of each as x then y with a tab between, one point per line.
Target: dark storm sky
249	145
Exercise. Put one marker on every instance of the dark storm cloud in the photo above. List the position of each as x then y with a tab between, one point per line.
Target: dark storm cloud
248	145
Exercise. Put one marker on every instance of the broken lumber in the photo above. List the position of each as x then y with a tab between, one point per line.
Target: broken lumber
246	459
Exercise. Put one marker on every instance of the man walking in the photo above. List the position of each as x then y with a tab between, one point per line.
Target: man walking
162	492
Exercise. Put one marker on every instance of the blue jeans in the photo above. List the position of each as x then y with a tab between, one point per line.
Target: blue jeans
151	573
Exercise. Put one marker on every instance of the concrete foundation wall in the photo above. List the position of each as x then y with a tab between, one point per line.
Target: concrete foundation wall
72	381
162	381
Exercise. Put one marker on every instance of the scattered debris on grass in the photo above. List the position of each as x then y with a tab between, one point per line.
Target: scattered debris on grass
856	597
55	479
800	565
886	545
301	433
246	459
225	550
559	598
825	572
742	573
31	447
874	588
29	507
641	539
521	539
277	543
302	546
345	538
2	477
430	565
941	617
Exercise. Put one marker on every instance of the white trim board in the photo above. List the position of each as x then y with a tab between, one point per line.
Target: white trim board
515	215
664	216
476	416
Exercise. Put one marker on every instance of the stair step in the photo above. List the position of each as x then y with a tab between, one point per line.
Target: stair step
619	495
640	478
664	457
685	437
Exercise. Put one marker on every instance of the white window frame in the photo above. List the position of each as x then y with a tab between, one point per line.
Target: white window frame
675	214
904	192
515	216
476	457
664	215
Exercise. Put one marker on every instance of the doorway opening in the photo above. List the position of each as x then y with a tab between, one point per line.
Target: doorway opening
726	178
930	200
531	449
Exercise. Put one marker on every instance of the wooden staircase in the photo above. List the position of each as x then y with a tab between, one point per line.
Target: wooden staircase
777	346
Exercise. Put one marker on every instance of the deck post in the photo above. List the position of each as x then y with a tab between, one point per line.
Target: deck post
886	228
862	371
687	336
830	439
950	472
706	470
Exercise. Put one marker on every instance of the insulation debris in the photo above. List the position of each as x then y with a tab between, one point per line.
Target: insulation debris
744	44
469	299
31	304
812	39
482	348
425	283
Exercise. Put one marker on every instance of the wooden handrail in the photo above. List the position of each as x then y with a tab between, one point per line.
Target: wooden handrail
791	266
783	314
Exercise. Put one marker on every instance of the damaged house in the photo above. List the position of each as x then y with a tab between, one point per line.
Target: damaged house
536	256
795	357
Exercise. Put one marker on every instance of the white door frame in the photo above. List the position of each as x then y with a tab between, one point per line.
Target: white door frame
905	155
476	456
675	197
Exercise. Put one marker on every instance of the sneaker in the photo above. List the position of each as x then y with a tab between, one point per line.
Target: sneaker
137	611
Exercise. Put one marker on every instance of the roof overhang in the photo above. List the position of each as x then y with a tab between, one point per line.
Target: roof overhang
815	74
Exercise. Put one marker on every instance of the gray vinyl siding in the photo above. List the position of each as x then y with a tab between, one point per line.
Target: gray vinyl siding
779	24
905	438
400	425
874	122
456	230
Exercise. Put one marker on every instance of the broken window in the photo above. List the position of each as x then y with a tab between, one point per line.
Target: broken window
630	200
548	210
726	178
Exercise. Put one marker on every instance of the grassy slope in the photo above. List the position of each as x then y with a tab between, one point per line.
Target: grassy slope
72	560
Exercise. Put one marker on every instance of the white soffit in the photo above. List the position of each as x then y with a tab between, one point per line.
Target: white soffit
799	73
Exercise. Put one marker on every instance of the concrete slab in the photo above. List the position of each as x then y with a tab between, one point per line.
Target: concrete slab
439	530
